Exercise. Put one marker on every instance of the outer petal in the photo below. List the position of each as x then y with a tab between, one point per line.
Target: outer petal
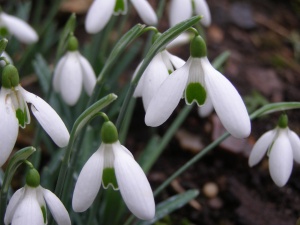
57	209
145	11
19	28
179	11
175	60
48	118
28	211
57	73
4	54
71	79
89	76
12	205
167	97
201	8
9	126
134	186
138	92
98	15
261	146
88	182
295	143
154	76
281	159
182	39
227	102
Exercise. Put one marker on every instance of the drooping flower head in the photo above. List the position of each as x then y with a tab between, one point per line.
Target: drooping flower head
282	145
112	165
28	205
101	11
71	73
14	113
18	28
198	81
181	10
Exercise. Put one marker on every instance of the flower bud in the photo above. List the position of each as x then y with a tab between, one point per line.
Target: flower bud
33	178
72	44
198	47
10	76
109	133
283	121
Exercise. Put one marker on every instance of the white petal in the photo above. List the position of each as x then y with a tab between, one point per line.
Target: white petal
4	54
295	143
145	11
71	79
260	147
207	108
98	15
201	8
89	76
28	211
57	73
281	159
57	209
182	39
9	126
227	102
176	61
167	97
19	28
179	11
139	88
134	186
154	76
88	182
12	205
48	118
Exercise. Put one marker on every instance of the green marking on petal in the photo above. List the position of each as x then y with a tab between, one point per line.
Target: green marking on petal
170	71
120	7
22	117
195	92
109	178
44	212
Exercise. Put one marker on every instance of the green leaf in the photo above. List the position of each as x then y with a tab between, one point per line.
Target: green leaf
43	72
166	207
221	59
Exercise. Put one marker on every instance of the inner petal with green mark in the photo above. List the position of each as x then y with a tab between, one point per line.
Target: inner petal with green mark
195	92
44	212
109	178
22	117
120	7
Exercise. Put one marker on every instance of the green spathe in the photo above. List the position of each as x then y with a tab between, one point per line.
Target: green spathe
10	76
109	178
195	92
198	47
33	178
109	133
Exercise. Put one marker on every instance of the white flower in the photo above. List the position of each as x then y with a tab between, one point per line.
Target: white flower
8	58
28	207
282	145
181	10
199	82
71	73
101	11
18	28
113	165
14	112
157	71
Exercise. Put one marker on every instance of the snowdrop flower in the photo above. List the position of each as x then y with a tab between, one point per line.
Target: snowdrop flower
18	28
71	73
14	113
114	166
198	81
157	71
28	204
282	146
7	57
181	10
101	11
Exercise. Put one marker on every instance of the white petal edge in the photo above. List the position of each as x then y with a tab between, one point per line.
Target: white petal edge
89	182
134	186
9	126
227	102
182	39
58	210
57	73
138	92
202	8
295	143
98	15
175	60
48	118
145	11
281	159
89	76
4	54
12	205
167	97
179	11
19	28
260	147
